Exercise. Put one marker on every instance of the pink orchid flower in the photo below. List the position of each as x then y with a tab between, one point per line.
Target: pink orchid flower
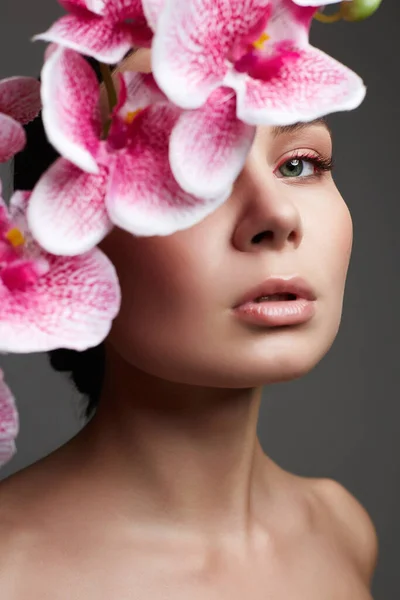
265	58
19	103
46	301
317	3
259	70
9	422
124	179
103	29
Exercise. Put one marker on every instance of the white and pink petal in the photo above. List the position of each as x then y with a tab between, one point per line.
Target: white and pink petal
12	138
92	35
72	306
209	147
289	22
17	212
20	98
317	85
71	116
67	213
9	422
152	10
317	3
96	6
144	198
137	91
77	5
193	43
129	15
122	10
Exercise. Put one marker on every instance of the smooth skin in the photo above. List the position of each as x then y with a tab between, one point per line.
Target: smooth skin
167	494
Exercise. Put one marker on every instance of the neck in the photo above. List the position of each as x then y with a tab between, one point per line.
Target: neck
178	455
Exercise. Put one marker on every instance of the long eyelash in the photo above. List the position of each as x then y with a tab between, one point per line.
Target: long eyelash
322	163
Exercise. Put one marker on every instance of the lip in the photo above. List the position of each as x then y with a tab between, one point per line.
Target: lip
278	313
280	285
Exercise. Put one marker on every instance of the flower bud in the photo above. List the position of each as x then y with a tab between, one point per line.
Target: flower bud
358	10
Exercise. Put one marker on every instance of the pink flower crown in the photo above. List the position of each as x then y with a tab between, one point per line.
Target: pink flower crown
168	156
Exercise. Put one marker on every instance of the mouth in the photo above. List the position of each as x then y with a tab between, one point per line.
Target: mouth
276	298
279	289
278	302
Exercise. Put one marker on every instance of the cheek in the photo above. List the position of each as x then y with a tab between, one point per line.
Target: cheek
331	230
341	241
162	299
332	250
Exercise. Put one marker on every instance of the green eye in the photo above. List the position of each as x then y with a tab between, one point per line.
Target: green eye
296	167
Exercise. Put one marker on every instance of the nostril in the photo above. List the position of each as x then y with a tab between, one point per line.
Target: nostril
257	239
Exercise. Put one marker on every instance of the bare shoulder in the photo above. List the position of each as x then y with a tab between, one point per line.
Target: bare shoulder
351	523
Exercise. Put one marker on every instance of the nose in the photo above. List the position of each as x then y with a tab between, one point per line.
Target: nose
268	215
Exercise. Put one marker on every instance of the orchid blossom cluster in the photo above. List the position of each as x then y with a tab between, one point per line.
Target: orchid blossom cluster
167	157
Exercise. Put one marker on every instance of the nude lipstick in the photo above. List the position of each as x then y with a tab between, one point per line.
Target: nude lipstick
278	302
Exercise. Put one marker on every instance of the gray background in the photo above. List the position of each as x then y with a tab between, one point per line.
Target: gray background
342	420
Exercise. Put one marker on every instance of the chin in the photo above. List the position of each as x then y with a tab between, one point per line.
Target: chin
234	361
285	356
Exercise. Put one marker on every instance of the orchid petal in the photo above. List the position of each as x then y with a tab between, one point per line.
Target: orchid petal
9	422
50	49
66	212
8	449
130	16
209	146
152	10
91	35
138	91
12	138
71	117
94	6
317	3
122	9
317	86
289	23
75	5
17	210
193	41
72	306
143	197
4	214
20	98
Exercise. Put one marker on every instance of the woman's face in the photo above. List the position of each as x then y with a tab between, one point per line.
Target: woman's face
178	293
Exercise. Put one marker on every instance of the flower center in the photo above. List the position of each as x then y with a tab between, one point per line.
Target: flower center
19	270
262	65
15	237
249	50
118	136
260	43
131	116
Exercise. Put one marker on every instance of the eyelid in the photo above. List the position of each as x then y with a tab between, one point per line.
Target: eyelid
303	153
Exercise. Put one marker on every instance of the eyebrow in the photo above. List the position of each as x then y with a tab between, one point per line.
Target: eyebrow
297	127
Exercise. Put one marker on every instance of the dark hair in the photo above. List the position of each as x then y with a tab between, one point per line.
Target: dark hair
87	367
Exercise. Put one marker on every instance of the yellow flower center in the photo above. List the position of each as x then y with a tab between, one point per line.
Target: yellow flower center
131	116
260	43
15	237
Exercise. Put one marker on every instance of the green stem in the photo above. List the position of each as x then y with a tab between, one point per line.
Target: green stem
111	93
319	16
